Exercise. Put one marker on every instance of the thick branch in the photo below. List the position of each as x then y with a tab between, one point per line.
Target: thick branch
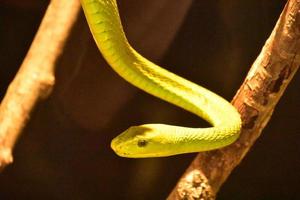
255	100
35	79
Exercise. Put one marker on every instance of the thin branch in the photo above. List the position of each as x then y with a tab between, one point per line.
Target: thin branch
35	79
256	99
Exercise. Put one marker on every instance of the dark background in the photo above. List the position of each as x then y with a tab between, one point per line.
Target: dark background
64	152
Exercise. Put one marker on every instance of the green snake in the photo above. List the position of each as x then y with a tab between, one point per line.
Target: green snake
158	140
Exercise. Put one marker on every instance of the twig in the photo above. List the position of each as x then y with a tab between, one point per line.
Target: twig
35	79
256	99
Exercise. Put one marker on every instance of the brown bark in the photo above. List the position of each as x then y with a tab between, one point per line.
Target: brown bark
256	99
35	79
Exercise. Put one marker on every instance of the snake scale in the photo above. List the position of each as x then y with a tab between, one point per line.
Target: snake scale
157	140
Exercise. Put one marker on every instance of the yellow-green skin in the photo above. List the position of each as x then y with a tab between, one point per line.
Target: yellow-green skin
156	140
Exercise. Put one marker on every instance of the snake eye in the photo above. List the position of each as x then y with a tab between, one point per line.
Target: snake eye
142	143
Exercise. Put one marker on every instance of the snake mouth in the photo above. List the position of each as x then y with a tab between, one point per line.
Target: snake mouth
130	144
119	146
116	144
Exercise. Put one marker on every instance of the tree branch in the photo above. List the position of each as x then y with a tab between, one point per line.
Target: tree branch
35	78
256	99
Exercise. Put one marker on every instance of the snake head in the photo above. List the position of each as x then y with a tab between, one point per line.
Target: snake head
138	142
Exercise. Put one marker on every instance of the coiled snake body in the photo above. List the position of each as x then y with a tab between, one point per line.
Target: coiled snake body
155	140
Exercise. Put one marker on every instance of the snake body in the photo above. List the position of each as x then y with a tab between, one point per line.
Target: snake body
156	140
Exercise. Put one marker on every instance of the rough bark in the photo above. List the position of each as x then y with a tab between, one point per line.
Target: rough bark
255	100
35	78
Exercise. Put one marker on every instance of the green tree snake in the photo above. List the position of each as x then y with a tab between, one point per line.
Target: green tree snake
157	140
